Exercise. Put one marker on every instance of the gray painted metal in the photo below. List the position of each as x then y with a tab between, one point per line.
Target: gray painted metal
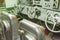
32	29
12	33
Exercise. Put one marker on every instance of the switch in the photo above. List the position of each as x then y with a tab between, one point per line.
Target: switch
38	12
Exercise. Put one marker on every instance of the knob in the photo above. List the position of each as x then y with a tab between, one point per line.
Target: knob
20	32
38	12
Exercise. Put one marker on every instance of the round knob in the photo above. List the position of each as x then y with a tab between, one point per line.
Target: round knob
38	12
20	32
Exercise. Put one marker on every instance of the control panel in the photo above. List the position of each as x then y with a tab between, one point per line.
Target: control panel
13	26
49	4
33	12
44	10
53	18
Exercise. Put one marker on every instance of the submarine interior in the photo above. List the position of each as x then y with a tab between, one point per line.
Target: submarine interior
29	19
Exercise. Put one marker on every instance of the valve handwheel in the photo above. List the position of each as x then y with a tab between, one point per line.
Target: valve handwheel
54	20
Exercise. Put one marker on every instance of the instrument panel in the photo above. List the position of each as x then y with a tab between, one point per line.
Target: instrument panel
16	28
44	10
49	4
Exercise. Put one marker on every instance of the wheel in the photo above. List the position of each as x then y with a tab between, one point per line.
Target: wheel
55	21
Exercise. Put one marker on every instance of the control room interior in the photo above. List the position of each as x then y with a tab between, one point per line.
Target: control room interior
29	19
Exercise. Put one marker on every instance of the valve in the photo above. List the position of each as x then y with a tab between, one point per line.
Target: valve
55	21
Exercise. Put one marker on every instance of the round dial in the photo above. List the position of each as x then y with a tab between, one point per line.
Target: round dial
54	19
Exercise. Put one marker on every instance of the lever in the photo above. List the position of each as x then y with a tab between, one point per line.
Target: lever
21	33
